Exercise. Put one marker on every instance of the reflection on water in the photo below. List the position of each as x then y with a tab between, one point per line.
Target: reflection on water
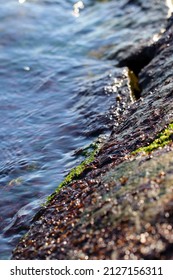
53	71
77	7
21	1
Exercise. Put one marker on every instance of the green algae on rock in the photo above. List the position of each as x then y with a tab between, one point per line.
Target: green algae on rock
134	86
89	152
164	138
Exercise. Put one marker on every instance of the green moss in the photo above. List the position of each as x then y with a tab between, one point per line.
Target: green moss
134	85
90	153
163	138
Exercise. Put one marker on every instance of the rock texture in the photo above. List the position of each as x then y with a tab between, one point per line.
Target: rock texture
121	206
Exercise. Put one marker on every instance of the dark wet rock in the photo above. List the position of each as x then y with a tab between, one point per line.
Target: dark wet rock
112	93
123	207
142	27
138	20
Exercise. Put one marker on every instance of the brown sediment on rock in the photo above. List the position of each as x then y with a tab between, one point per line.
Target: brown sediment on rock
122	208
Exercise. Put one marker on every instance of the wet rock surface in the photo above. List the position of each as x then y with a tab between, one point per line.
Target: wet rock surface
121	207
101	117
135	11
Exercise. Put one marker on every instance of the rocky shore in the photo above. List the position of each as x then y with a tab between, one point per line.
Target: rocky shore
119	205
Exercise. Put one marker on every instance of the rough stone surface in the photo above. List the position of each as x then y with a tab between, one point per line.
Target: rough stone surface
142	27
122	205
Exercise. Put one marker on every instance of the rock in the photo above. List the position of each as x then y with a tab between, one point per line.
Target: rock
146	19
122	206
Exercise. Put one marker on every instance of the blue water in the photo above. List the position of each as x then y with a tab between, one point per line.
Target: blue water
50	53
